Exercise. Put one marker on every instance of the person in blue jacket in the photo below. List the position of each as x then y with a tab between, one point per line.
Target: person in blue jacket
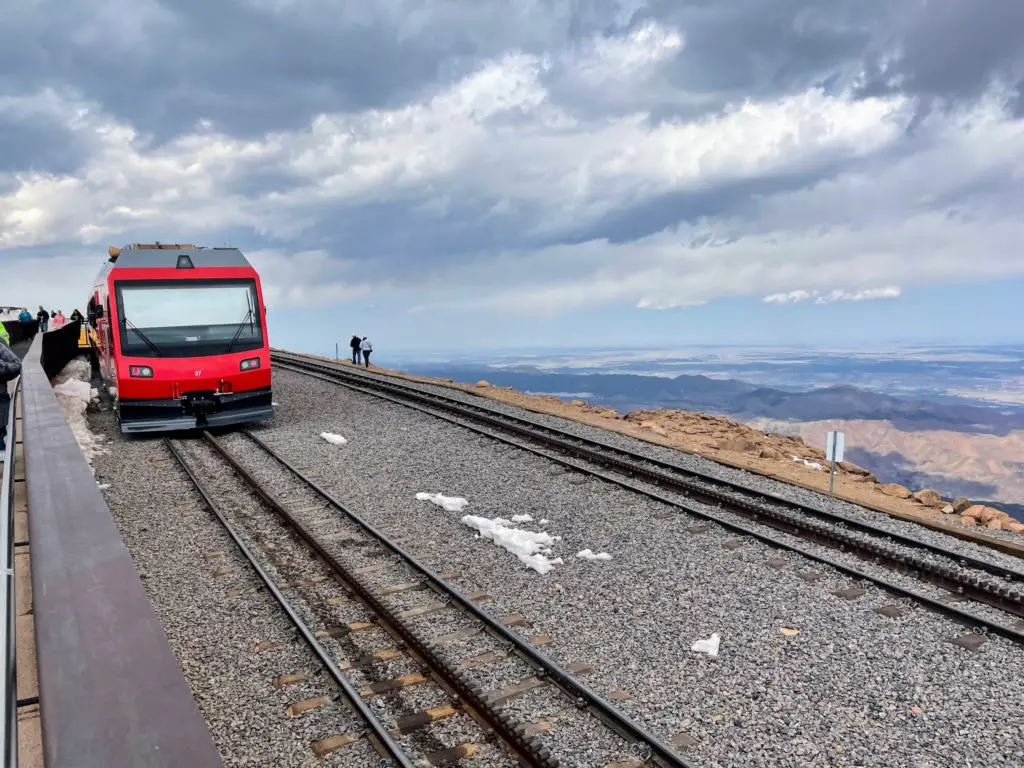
25	318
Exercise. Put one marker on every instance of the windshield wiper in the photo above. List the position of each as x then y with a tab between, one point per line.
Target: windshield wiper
144	337
249	317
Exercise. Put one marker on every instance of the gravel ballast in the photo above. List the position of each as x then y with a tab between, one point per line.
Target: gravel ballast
214	623
699	464
851	687
577	732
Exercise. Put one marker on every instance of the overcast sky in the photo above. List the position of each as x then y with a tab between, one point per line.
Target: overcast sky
443	173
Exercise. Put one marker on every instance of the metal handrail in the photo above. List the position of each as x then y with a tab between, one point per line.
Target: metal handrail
7	595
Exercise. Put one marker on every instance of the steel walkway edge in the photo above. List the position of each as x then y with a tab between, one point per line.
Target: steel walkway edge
111	691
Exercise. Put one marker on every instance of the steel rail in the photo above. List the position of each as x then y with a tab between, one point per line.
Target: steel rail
951	611
8	595
1001	596
686	478
527	749
582	693
384	741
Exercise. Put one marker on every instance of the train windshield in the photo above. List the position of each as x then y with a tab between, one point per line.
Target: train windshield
188	318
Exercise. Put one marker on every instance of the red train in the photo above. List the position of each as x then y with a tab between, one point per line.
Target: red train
180	337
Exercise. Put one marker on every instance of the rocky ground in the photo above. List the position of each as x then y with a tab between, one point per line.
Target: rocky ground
730	442
804	677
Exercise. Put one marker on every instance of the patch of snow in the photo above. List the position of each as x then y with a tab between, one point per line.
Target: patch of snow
74	393
528	546
333	439
807	463
709	646
449	503
103	486
545	521
586	554
522	518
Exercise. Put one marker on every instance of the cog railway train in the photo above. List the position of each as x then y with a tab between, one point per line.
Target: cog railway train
179	337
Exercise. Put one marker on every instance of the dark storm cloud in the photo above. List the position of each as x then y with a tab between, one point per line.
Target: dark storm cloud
399	239
951	49
731	199
755	48
252	70
36	145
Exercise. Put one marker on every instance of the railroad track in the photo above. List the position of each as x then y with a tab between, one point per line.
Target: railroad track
965	578
333	561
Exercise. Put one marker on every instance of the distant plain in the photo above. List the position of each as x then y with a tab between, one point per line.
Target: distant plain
946	417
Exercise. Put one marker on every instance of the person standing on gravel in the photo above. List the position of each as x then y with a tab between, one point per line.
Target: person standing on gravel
367	348
10	369
356	344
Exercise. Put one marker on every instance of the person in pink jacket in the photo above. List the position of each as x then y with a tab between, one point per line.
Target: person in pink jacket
59	321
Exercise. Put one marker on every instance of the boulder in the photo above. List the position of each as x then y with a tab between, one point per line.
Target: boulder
948	510
895	489
961	504
995	524
853	469
968	522
482	384
653	427
737	444
929	498
1013	527
770	453
972	512
985	515
578	403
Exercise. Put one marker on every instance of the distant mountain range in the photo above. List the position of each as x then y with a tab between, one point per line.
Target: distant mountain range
744	401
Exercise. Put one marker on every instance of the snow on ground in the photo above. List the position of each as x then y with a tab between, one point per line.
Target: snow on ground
333	439
448	503
709	646
530	547
74	393
807	462
587	554
522	518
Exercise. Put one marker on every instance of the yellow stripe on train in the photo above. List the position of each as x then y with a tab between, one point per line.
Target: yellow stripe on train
84	336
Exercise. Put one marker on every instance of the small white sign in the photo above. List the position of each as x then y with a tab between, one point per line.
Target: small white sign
834	446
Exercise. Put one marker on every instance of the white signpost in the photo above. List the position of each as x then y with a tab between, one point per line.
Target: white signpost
833	453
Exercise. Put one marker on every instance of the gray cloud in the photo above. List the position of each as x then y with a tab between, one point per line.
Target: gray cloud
253	67
950	49
542	153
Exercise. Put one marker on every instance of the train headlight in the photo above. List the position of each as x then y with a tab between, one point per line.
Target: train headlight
251	364
140	371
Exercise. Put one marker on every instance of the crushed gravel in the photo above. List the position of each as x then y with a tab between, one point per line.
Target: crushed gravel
694	463
851	688
289	563
575	736
215	622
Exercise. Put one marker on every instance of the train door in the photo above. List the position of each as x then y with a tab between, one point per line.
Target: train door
108	345
99	317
